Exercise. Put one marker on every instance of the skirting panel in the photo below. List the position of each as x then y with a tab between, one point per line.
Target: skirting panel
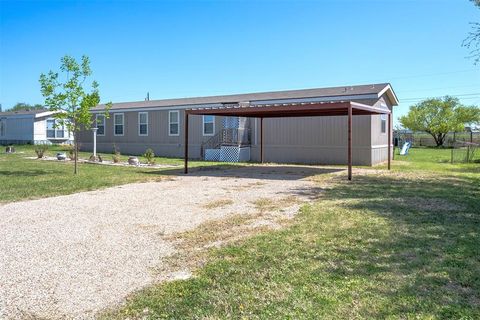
212	154
228	154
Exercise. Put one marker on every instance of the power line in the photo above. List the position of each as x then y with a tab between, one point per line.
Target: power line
444	88
428	74
416	100
452	95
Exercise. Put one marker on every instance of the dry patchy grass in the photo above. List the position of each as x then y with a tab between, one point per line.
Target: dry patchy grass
270	204
219	203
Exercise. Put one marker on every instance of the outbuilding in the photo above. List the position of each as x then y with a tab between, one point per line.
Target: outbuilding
31	126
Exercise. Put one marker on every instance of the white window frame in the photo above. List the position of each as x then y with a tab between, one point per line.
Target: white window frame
104	124
146	114
53	128
123	124
177	123
203	126
383	117
56	127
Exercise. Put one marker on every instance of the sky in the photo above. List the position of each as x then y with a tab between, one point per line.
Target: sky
177	49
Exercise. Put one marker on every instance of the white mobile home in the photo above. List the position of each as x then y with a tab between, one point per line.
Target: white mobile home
33	126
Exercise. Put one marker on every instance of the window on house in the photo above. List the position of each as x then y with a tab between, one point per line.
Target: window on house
208	125
143	123
59	131
55	130
383	123
3	128
118	124
51	128
173	123
100	121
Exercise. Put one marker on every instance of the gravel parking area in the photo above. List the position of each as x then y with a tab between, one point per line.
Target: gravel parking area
71	256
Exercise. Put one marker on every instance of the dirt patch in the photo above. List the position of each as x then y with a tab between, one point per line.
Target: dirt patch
268	204
220	203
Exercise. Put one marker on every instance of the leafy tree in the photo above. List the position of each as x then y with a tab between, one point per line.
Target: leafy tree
22	106
440	116
472	42
69	98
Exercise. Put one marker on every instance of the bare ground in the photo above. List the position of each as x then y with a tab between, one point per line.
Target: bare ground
72	256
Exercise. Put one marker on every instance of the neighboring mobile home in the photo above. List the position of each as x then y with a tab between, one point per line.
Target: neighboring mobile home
31	126
132	127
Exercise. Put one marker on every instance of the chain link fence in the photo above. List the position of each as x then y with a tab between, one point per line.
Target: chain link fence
465	146
423	139
465	152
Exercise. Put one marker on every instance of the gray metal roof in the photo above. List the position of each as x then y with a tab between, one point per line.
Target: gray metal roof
22	112
359	90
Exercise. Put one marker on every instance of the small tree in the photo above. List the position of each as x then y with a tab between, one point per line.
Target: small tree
69	99
440	116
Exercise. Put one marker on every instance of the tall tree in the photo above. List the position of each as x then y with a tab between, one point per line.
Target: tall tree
440	116
69	98
472	42
22	106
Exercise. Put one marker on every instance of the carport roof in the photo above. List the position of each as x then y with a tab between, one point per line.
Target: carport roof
297	109
368	91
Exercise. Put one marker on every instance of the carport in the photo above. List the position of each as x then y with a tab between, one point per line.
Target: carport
296	109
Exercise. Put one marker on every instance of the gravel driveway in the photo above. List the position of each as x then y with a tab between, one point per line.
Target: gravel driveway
71	256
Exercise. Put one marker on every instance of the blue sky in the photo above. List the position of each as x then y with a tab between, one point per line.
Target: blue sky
179	48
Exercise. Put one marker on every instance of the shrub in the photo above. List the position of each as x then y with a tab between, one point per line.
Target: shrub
70	149
116	154
40	150
98	158
150	156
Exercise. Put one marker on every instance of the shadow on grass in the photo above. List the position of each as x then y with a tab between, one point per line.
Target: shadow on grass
432	246
24	173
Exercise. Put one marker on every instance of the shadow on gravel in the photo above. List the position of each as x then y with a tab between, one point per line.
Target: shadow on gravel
269	172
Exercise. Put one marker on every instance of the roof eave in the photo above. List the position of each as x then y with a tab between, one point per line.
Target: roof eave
388	90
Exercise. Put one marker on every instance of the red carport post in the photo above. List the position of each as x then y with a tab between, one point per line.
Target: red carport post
389	139
349	142
186	143
261	140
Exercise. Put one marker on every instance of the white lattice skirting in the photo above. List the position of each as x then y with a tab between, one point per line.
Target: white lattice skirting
212	154
228	154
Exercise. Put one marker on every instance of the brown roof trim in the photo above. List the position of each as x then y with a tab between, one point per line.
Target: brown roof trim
290	110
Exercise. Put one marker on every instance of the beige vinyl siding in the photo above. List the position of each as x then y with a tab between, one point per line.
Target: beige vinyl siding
318	140
379	150
158	135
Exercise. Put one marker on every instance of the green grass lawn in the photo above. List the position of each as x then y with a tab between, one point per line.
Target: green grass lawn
397	245
22	178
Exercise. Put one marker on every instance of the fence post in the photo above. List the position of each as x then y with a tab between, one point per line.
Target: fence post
451	156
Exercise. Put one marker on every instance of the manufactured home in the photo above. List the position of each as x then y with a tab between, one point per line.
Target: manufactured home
132	127
31	126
